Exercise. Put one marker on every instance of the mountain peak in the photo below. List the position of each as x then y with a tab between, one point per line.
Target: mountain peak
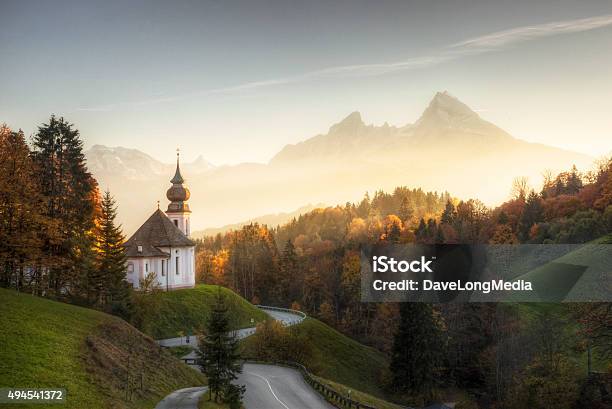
350	124
448	115
444	105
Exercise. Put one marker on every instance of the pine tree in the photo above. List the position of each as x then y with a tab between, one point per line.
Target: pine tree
218	352
421	231
533	213
70	194
288	270
406	210
449	215
574	182
417	350
394	232
109	284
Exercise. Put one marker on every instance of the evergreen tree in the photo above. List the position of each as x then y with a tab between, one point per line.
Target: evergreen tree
218	352
109	285
574	182
288	270
363	210
70	194
417	350
533	213
395	233
449	214
421	231
406	210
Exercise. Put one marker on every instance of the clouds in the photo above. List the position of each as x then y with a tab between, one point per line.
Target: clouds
474	46
500	39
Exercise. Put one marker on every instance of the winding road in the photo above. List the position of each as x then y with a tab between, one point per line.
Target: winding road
277	387
187	398
267	386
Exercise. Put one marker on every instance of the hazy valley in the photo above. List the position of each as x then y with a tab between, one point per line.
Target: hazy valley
450	147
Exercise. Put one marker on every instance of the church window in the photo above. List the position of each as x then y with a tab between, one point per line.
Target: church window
146	267
176	222
130	267
176	259
163	270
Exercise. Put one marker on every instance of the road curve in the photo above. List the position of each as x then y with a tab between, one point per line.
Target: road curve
286	317
187	398
277	387
267	386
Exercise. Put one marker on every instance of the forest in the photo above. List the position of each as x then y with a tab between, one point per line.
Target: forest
509	355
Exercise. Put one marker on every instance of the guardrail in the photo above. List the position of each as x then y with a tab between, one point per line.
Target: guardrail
331	395
296	312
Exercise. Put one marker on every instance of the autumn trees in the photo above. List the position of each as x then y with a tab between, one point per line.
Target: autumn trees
313	262
23	224
58	237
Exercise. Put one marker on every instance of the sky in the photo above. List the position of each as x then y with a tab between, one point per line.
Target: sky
236	81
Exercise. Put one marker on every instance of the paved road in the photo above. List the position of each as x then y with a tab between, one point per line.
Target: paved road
187	398
286	318
276	387
268	386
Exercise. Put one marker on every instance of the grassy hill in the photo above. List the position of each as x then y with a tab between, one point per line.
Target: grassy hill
45	343
575	276
188	310
337	357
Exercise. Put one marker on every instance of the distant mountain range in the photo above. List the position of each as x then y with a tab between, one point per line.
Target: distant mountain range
450	147
133	164
271	220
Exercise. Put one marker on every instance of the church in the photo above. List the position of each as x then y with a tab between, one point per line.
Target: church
162	244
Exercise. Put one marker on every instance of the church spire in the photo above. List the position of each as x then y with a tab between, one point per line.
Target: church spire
178	178
178	194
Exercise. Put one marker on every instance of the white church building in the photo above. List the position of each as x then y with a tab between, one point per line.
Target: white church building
162	244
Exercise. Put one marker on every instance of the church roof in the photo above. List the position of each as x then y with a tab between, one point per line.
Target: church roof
157	231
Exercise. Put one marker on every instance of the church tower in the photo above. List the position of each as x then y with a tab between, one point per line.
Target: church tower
178	210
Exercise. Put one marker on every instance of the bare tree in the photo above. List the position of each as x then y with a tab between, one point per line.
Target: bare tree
520	188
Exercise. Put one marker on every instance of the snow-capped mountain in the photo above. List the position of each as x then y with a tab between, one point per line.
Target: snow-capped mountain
133	164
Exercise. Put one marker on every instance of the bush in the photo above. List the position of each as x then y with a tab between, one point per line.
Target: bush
274	342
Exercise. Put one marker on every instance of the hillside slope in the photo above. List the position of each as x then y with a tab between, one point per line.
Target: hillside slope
50	344
187	311
575	276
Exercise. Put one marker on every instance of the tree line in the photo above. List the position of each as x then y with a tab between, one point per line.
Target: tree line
58	236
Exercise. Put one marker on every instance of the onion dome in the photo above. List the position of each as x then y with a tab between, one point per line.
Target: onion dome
178	194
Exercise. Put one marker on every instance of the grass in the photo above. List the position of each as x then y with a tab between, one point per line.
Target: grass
579	275
358	395
187	311
180	351
338	358
48	344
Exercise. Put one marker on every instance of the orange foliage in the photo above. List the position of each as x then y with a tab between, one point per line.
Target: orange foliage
561	206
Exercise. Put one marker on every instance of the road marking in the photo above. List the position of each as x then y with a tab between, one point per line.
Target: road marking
269	386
